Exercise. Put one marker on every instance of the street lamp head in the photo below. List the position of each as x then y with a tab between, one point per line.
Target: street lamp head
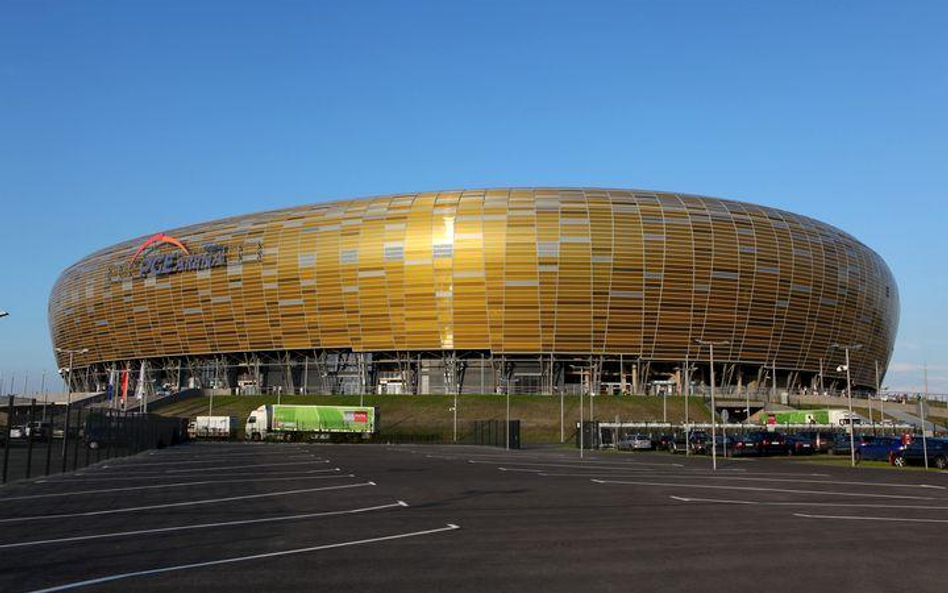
3	313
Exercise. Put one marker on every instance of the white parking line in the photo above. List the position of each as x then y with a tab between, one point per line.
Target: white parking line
174	485
227	467
761	489
860	505
193	461
569	465
79	538
139	573
182	504
857	518
746	478
71	480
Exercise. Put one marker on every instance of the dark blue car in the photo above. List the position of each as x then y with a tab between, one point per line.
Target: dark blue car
914	454
877	448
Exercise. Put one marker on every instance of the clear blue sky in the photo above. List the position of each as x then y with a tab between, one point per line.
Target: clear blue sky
120	118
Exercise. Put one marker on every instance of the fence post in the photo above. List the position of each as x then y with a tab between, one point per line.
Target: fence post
75	450
65	450
30	429
88	453
109	435
6	448
49	448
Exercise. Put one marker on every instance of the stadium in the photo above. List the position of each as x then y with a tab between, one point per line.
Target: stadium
525	290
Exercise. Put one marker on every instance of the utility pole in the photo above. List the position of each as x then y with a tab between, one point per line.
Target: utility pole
922	403
71	354
714	444
849	395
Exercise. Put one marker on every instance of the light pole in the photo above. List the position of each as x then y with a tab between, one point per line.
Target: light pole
687	375
71	354
849	396
922	402
714	431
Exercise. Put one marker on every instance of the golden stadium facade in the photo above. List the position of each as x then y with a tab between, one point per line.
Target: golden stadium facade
539	290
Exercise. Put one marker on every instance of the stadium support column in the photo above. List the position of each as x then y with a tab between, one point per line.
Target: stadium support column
635	378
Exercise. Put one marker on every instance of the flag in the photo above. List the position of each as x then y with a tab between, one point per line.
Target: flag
110	390
124	386
140	386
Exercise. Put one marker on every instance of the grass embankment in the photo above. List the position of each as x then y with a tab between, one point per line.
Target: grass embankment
431	414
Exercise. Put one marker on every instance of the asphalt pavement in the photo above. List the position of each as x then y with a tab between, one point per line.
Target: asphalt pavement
282	517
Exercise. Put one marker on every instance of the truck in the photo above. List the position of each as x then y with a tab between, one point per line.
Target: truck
825	416
212	427
308	422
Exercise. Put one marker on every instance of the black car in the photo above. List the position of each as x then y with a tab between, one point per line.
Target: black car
761	442
914	454
822	440
799	444
698	441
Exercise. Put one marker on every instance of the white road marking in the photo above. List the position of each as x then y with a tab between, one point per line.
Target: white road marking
761	489
209	469
139	573
193	461
71	480
227	467
569	465
521	469
860	505
182	504
747	478
173	485
857	518
439	457
78	538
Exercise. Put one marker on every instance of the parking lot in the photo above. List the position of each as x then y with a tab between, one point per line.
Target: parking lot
420	518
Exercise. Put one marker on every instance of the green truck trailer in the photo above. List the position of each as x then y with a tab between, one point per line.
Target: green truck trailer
288	422
825	416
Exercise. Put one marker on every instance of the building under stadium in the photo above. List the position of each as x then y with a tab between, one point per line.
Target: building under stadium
525	290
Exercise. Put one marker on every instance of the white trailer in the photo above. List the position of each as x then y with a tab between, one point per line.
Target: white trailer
212	427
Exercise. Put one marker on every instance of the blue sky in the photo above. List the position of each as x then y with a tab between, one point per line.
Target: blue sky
120	118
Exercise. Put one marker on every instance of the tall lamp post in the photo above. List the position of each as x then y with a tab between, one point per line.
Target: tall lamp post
849	395
714	443
71	354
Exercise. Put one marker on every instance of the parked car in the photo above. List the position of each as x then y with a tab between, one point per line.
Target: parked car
841	442
878	448
635	442
822	440
664	442
914	454
39	429
698	441
761	442
720	441
798	444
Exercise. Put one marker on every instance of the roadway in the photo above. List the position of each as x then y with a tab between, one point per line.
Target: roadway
234	517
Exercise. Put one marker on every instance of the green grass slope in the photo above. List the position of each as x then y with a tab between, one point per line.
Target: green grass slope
431	414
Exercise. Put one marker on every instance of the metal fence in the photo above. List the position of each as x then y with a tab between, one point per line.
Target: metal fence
39	441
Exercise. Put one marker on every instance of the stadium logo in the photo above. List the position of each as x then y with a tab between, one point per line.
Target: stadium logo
158	239
153	258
